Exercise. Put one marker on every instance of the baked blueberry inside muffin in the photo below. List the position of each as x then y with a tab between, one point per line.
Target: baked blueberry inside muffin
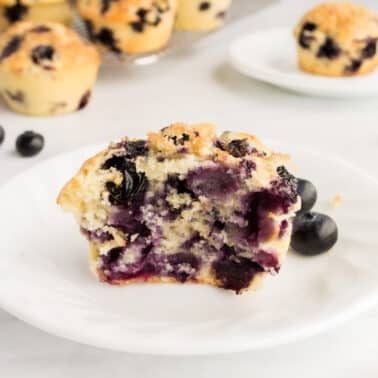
200	15
337	39
46	69
128	26
185	206
12	11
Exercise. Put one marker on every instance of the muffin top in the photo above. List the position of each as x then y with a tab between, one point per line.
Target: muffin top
136	12
9	3
342	21
44	46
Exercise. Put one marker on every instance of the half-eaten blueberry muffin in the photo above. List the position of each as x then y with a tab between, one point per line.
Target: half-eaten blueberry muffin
185	206
337	39
200	15
128	26
12	11
46	69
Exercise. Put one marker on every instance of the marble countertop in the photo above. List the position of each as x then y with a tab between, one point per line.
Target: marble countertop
194	86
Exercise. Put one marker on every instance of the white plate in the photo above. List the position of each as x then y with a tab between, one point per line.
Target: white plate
270	56
45	279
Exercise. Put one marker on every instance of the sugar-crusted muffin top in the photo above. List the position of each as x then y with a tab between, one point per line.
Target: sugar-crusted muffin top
120	11
343	21
178	149
47	46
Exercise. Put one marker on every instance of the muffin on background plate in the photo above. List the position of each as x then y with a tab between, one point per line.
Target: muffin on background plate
46	68
12	11
337	39
129	26
200	15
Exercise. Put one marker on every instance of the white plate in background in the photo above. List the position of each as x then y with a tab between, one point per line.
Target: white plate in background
270	56
46	282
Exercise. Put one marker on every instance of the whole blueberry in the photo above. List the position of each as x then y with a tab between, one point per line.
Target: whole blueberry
313	233
2	134
307	191
29	143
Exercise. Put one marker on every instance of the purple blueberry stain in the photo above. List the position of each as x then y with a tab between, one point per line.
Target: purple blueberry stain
214	181
267	260
97	235
235	273
247	167
283	228
183	266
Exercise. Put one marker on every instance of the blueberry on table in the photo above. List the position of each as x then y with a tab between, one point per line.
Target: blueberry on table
29	143
2	134
313	233
307	191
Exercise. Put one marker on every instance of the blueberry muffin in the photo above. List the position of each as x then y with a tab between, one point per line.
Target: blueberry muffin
129	26
200	15
12	11
337	39
185	206
46	69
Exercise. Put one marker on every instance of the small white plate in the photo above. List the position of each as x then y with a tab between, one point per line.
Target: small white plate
270	56
45	279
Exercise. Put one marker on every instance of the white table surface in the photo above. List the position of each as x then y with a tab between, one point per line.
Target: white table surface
200	86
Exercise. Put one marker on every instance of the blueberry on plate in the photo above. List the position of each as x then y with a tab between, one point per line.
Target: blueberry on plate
307	192
29	143
2	134
313	233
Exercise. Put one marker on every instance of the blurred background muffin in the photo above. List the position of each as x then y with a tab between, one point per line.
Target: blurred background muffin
46	68
337	39
34	10
129	26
